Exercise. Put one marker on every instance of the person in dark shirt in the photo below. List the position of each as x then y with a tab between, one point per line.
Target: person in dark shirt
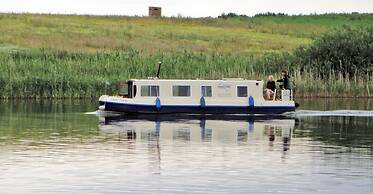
285	80
270	88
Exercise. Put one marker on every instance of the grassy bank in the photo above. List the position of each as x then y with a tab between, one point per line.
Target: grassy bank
85	56
255	35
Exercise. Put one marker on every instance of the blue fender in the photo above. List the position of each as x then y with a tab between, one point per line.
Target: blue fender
202	102
158	104
251	102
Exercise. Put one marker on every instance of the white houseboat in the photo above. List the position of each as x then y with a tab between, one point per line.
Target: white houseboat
226	96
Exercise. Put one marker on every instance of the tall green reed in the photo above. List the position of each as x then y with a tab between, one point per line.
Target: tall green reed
48	73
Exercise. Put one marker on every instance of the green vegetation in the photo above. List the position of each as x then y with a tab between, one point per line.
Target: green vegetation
341	60
84	56
151	35
348	51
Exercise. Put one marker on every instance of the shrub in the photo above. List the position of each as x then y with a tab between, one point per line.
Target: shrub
347	51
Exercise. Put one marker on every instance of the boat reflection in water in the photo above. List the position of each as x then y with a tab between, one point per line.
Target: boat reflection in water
215	129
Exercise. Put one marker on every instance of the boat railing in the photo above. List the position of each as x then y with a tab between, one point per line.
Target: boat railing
286	95
281	95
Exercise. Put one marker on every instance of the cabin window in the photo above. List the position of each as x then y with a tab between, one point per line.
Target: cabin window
241	91
125	89
206	91
182	91
149	90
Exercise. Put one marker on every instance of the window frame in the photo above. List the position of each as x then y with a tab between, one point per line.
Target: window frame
203	92
190	90
149	87
247	91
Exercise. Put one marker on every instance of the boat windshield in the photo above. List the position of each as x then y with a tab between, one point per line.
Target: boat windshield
125	89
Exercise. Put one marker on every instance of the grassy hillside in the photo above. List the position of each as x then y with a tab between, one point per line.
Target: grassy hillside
98	33
75	56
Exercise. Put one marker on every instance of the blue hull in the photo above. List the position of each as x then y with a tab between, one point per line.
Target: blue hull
167	109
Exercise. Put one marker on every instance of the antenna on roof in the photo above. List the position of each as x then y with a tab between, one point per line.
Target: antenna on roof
159	69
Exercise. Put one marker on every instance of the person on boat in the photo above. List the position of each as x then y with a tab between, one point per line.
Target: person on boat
285	80
270	88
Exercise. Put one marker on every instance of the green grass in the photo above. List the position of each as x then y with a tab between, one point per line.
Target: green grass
103	33
74	56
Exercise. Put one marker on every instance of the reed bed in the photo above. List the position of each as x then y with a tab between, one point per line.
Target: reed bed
60	74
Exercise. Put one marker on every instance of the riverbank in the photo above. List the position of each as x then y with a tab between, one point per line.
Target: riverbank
60	74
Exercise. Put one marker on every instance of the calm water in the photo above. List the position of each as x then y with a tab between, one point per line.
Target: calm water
64	147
